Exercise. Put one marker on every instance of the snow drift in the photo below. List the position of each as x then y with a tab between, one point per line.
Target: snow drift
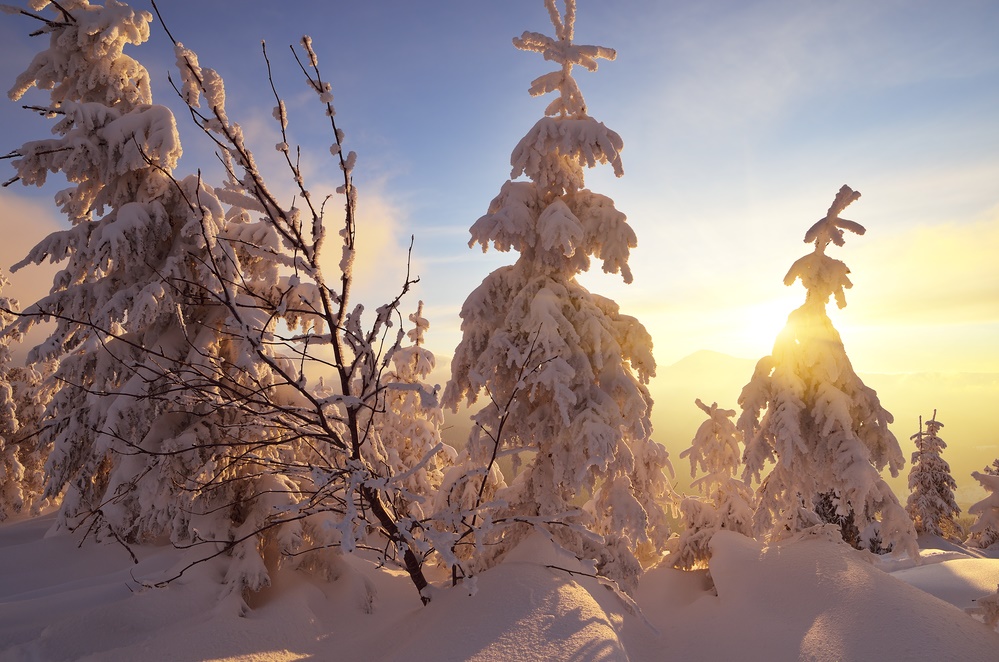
804	599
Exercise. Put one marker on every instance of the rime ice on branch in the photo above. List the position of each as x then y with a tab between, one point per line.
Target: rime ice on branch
807	409
564	371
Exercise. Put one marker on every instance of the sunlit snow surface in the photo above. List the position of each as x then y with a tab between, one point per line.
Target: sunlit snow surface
810	599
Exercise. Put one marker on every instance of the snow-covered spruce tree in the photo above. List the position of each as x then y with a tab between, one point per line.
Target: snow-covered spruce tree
807	409
141	344
985	530
827	507
564	371
874	542
727	502
12	497
130	246
187	410
24	392
931	501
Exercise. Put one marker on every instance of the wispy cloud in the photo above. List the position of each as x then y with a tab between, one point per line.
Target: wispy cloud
747	63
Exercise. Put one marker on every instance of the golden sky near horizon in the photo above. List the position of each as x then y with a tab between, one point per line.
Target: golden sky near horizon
925	299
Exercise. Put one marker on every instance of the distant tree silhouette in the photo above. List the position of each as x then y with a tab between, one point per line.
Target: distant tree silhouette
931	501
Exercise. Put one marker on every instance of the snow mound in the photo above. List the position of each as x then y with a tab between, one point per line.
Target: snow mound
807	599
520	611
523	609
66	603
957	581
843	608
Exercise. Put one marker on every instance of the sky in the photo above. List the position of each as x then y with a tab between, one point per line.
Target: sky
740	120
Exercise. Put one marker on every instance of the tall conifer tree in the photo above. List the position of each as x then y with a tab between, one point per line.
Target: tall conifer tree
807	410
564	370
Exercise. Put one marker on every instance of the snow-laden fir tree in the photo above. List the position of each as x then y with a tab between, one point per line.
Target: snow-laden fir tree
131	230
564	371
188	335
827	508
727	501
985	530
872	536
931	501
24	392
12	472
139	338
807	410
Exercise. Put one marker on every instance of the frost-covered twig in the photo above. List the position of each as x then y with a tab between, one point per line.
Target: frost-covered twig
359	357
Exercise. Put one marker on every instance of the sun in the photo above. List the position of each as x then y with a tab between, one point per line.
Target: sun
756	326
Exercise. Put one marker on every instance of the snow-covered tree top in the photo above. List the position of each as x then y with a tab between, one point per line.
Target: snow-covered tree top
558	147
822	275
553	220
715	447
421	325
932	428
561	50
831	226
84	60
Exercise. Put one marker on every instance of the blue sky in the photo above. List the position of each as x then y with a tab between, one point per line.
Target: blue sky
740	122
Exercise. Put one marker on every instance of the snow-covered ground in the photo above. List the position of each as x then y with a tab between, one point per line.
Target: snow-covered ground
808	599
